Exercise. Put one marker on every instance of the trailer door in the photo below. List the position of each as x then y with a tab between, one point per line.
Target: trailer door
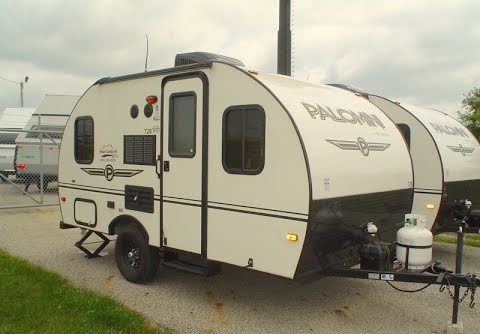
183	173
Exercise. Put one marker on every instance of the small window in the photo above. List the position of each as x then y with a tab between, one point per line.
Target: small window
182	125
405	131
48	131
244	139
83	140
139	150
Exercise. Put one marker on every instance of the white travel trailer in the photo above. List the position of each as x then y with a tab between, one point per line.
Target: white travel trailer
234	166
445	157
12	121
39	145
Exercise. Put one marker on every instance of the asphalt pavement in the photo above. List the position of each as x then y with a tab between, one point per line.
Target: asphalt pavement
239	300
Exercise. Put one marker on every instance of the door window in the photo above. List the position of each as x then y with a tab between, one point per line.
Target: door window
182	127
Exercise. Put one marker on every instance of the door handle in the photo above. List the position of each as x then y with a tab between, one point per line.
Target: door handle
166	166
158	166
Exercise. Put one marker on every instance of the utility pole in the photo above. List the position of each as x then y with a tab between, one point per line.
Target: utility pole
22	83
284	46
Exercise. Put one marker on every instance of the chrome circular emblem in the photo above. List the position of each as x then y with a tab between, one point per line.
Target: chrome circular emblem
363	146
109	171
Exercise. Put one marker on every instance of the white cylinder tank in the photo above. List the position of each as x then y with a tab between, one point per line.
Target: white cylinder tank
414	243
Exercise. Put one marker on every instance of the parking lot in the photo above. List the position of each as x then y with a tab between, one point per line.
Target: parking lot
237	301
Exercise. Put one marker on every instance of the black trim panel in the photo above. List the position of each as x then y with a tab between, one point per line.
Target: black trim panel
335	229
454	192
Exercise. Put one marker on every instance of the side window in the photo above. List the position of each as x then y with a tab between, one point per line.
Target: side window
244	140
182	125
83	140
405	131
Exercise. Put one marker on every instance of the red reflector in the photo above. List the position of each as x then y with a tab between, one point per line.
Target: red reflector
63	199
50	148
151	99
21	166
20	146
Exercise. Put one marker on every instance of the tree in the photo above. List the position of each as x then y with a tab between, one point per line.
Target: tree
471	116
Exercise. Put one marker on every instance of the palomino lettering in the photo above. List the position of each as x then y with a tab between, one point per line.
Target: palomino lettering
342	115
448	130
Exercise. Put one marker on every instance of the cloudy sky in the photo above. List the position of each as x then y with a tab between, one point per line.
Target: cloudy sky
421	52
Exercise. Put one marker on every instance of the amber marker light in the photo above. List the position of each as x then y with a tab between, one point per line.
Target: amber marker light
430	206
253	72
292	237
151	99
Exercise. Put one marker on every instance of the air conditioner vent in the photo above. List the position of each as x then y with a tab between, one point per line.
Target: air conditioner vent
203	57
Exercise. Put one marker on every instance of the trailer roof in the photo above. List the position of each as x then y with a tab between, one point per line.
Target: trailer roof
15	118
57	105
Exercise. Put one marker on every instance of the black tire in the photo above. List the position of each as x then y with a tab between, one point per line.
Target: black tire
136	259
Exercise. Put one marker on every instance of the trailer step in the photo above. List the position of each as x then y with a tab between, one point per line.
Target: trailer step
191	268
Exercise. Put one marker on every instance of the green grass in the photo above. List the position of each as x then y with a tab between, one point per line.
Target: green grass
471	239
33	300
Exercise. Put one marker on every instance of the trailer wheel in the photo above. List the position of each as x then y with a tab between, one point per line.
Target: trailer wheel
136	259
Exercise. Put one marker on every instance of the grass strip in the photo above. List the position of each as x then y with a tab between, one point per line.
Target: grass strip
471	239
34	300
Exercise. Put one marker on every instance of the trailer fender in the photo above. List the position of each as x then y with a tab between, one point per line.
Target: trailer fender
124	220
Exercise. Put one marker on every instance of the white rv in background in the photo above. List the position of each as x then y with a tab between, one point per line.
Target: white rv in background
37	153
12	120
445	157
234	166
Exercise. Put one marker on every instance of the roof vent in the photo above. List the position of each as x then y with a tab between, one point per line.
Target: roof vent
203	57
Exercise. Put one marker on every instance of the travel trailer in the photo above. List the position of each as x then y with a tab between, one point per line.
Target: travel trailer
232	165
12	121
39	145
445	157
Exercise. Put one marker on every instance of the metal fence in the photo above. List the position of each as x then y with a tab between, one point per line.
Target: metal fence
29	166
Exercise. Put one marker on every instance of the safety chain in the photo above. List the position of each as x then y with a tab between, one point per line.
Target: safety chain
472	288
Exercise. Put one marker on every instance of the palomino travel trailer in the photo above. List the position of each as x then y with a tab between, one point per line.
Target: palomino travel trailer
12	121
38	146
445	157
252	169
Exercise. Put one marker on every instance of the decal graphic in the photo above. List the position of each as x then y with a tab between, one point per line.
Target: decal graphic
342	115
109	172
108	153
359	145
461	149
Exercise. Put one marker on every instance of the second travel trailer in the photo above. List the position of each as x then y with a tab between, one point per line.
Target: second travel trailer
12	122
39	145
445	157
234	166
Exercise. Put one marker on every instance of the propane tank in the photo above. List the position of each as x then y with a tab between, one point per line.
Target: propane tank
414	243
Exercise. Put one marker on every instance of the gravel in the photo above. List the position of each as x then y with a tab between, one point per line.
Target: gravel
239	301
